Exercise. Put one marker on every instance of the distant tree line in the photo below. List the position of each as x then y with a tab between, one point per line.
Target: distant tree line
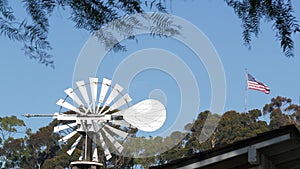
41	149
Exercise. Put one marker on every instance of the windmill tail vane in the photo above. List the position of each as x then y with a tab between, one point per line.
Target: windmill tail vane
98	113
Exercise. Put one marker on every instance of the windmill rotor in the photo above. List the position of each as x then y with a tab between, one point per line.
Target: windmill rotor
99	113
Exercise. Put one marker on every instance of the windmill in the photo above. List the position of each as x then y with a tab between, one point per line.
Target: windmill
97	117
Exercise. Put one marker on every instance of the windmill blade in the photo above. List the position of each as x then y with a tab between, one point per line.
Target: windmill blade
120	133
64	127
116	144
67	137
104	88
67	105
83	91
70	92
74	145
113	94
147	115
105	148
123	100
94	90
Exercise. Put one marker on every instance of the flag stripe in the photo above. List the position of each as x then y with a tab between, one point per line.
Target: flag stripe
253	84
262	90
257	86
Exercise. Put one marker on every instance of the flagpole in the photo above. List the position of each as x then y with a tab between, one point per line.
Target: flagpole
246	91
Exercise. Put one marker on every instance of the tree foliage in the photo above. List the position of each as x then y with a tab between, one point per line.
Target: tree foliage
8	127
282	112
92	15
41	149
12	151
32	31
279	12
42	145
10	148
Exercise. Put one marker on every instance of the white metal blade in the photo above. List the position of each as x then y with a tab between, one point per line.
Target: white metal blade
70	92
148	115
95	155
104	88
117	131
74	145
123	100
105	148
63	127
116	144
113	94
67	105
83	91
94	90
67	137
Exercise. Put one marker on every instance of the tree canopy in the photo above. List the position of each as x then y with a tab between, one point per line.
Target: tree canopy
277	12
91	15
41	149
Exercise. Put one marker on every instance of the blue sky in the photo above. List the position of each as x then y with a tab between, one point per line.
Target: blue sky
29	87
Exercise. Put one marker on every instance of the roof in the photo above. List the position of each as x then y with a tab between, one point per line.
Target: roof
278	148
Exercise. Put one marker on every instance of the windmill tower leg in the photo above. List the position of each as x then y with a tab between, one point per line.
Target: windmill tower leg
88	145
87	162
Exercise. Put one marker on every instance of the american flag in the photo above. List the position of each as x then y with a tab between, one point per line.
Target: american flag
256	85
